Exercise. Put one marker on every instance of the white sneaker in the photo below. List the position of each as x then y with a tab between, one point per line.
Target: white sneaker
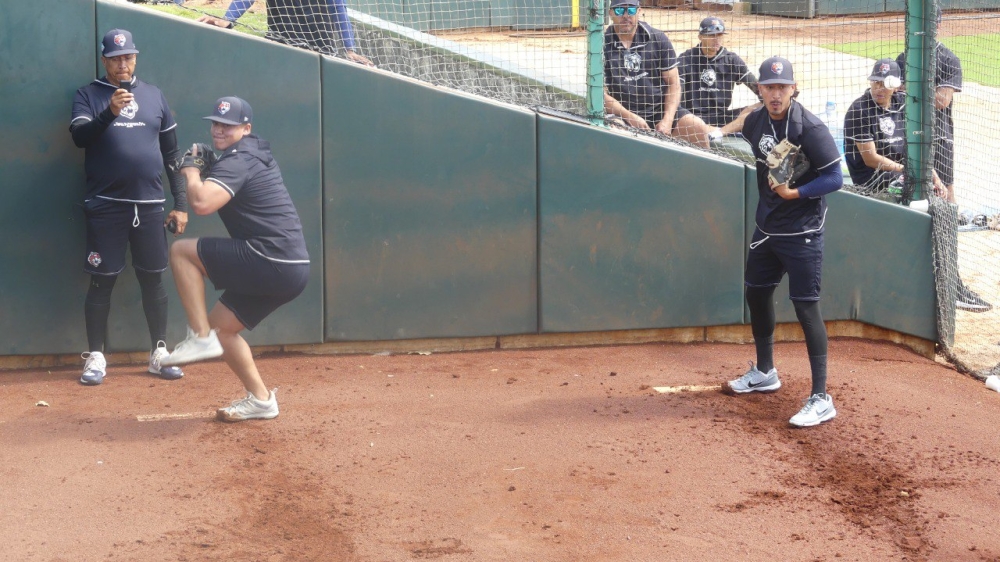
818	409
249	408
94	369
754	380
156	367
194	348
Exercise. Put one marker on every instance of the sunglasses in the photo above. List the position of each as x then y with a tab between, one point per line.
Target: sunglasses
712	30
620	10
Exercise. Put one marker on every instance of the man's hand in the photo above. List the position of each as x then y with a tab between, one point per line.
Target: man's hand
635	121
120	99
784	192
665	125
218	22
358	58
179	218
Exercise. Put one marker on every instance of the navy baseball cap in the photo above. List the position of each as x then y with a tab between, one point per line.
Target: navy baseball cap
711	26
616	3
776	70
231	110
118	42
885	68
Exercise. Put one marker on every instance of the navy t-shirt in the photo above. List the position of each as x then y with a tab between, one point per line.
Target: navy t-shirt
260	211
948	73
867	121
708	83
634	75
125	163
777	216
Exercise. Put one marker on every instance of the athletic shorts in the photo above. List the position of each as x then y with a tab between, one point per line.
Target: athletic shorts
253	286
944	160
801	256
681	112
112	225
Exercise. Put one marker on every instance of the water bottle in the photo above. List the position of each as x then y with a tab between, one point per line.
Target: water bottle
833	122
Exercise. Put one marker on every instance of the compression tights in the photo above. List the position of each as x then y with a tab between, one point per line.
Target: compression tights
761	304
97	307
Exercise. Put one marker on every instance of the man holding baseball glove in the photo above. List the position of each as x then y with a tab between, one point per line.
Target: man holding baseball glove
797	165
129	137
263	266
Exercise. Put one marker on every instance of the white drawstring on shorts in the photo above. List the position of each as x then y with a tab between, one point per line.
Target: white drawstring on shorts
135	223
759	242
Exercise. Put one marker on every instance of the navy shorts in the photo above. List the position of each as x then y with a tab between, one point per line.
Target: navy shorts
253	286
111	225
800	256
681	112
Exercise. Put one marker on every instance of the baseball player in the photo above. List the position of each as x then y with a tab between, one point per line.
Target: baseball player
263	266
791	214
641	81
129	137
709	74
301	23
875	126
947	81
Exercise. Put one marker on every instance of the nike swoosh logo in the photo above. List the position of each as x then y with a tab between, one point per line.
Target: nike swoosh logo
752	385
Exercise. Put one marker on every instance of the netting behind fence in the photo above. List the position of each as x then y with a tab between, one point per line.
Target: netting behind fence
845	58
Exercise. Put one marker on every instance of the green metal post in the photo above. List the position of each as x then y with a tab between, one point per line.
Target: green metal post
921	47
595	60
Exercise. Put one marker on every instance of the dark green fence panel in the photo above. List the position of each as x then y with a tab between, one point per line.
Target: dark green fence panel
430	210
877	264
282	85
42	285
636	234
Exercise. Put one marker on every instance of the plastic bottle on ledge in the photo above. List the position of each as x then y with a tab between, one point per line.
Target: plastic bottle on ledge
833	121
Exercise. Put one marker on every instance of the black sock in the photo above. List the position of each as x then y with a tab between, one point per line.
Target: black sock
760	301
814	329
97	308
154	305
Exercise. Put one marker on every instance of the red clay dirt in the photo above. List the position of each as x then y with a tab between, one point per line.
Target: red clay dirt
554	454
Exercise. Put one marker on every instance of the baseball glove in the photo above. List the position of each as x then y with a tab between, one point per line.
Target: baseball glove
204	160
786	163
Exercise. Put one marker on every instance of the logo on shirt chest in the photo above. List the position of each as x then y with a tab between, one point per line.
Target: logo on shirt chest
887	126
632	62
767	144
130	110
708	77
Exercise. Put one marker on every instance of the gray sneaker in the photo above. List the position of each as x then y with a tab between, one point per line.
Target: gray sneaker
755	381
818	409
94	368
249	408
194	348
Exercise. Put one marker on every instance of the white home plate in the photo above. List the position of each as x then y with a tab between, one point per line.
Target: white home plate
686	388
163	417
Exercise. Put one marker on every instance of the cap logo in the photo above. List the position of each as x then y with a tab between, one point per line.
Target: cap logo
777	67
120	40
223	108
883	68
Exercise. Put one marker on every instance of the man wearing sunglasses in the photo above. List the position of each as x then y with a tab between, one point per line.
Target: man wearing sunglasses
641	82
709	75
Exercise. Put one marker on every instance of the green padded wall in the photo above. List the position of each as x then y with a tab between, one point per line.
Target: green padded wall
42	286
877	264
430	210
282	85
636	234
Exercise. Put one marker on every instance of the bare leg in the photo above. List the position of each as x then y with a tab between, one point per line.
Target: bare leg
693	130
189	276
236	351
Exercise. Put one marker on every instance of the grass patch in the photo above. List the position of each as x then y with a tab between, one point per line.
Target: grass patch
252	23
980	54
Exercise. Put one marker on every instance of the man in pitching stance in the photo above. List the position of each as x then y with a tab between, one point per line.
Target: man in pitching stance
797	164
263	266
129	136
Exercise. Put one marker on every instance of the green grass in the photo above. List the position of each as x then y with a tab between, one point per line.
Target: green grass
251	23
980	54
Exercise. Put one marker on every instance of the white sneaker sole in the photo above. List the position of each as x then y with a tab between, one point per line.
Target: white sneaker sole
222	415
827	416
